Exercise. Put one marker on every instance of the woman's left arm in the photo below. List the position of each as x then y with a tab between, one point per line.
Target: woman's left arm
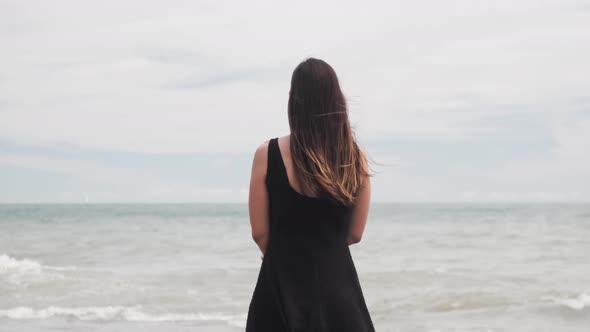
258	198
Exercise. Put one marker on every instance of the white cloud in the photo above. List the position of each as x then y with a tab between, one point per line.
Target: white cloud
202	77
123	184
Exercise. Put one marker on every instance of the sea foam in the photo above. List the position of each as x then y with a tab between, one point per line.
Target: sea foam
9	265
24	271
577	303
134	313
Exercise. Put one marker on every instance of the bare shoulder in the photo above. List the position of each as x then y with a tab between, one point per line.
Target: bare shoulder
263	147
364	158
366	177
363	154
260	158
284	140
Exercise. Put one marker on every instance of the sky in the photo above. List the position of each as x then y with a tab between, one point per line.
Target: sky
145	101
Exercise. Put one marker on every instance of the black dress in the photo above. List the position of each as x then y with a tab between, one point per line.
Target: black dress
307	280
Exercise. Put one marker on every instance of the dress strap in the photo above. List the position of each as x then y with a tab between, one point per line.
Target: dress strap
276	171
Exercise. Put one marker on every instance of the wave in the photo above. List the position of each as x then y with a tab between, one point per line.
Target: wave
580	302
24	271
8	263
118	312
11	265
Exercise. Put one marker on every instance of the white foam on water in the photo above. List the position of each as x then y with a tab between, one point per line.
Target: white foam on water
11	265
118	312
24	271
577	303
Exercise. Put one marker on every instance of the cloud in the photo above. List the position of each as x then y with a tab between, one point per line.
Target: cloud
81	180
455	90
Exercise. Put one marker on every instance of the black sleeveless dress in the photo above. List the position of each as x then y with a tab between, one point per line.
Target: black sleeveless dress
307	280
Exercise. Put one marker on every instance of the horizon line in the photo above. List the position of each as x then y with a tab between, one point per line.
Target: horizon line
246	202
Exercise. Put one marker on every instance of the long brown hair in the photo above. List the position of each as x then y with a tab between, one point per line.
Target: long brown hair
328	162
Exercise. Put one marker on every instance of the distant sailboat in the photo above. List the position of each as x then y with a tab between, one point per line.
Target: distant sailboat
86	199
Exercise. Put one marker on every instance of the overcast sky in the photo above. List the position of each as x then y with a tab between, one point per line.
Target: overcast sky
137	101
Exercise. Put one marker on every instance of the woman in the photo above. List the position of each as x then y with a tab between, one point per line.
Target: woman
309	200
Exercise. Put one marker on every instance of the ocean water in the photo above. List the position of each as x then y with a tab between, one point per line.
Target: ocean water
193	267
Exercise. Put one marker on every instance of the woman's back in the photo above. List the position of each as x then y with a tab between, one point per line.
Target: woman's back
307	280
313	218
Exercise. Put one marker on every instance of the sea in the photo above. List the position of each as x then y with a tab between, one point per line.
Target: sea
423	267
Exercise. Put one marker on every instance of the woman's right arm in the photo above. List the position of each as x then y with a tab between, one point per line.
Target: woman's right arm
360	212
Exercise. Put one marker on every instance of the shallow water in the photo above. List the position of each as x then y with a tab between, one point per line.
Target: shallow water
422	267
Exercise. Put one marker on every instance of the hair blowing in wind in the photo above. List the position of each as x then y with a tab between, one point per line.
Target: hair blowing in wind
328	162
